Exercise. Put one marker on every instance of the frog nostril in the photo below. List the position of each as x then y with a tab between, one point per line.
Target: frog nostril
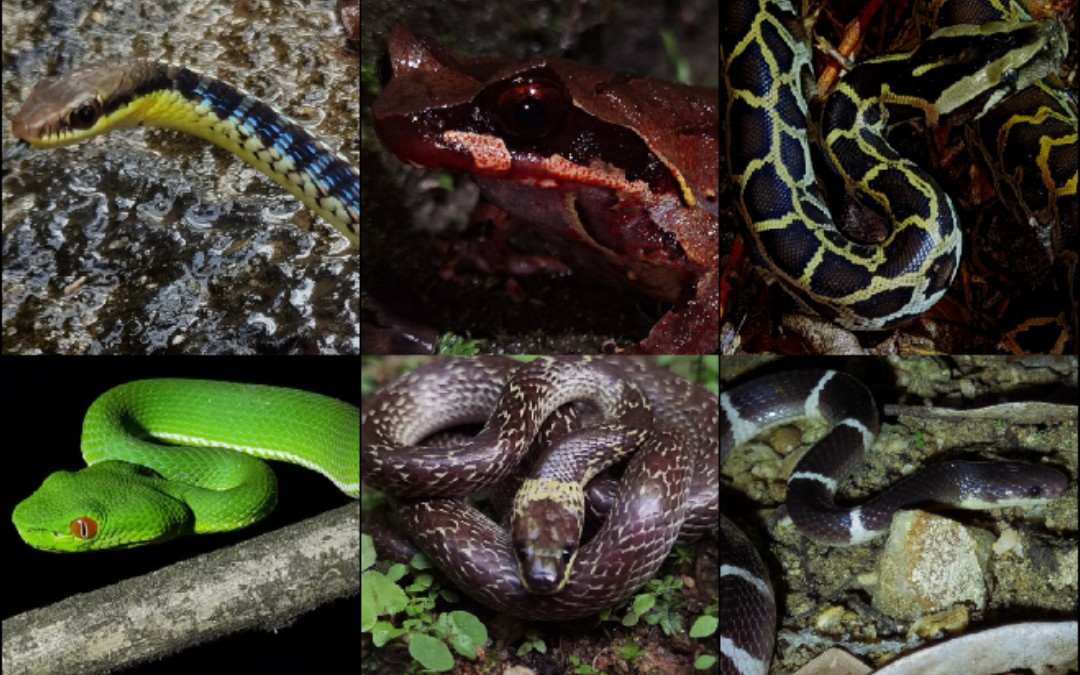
385	68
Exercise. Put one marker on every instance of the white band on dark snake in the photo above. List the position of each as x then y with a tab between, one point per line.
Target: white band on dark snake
747	614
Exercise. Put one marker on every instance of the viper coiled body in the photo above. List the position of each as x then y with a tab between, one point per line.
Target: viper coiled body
668	490
95	100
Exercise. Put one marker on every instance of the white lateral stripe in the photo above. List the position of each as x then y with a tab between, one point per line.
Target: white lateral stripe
858	532
738	572
867	435
979	504
338	477
813	401
828	483
741	430
744	662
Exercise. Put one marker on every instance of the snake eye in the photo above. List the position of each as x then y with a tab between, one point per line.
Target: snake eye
86	114
84	528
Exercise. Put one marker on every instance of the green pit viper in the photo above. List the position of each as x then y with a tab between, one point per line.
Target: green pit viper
170	457
958	74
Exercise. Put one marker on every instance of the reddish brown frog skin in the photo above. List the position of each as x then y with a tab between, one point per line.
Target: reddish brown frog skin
619	172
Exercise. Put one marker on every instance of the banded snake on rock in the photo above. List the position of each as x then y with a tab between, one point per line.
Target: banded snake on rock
958	74
668	490
98	99
748	615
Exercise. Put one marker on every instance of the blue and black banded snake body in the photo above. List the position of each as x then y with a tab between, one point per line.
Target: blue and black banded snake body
747	620
95	100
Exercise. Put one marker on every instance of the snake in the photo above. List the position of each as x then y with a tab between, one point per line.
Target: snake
957	74
173	457
747	609
667	492
95	100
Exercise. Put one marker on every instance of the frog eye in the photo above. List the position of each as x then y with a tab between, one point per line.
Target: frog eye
531	110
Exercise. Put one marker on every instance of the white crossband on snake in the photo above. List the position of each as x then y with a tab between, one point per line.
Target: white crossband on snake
747	611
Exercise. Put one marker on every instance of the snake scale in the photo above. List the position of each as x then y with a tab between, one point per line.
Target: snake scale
172	457
97	99
747	610
668	490
958	74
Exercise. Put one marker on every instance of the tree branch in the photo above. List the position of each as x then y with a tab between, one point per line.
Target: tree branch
265	582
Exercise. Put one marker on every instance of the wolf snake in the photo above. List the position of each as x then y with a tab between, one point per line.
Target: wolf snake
668	490
747	617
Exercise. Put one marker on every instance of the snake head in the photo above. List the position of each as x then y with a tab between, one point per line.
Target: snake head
545	529
111	504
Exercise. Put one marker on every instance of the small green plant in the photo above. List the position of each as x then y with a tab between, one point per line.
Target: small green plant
583	668
631	652
410	592
705	627
682	555
456	345
657	605
533	642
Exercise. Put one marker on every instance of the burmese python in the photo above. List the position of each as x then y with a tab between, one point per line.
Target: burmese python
959	73
668	490
747	612
95	100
